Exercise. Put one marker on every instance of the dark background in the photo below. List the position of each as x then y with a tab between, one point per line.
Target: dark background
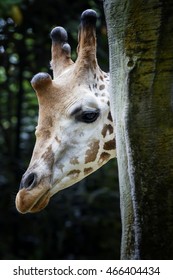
81	222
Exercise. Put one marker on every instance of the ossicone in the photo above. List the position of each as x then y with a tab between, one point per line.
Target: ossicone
41	80
61	51
89	17
87	41
59	34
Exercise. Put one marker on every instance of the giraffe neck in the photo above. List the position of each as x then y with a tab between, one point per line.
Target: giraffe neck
100	84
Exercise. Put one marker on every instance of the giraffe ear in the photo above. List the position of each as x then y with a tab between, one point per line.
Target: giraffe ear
61	51
87	39
41	81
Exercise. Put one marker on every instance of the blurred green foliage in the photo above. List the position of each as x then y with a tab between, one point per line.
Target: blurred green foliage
81	222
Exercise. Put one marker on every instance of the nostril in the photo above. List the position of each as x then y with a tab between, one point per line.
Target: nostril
29	181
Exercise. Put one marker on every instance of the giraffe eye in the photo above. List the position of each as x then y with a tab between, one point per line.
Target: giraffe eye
88	116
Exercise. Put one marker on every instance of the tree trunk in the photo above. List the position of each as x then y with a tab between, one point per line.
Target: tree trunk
141	65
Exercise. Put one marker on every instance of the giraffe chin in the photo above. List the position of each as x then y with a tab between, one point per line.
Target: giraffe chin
34	200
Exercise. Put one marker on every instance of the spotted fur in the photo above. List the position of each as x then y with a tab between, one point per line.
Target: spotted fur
68	147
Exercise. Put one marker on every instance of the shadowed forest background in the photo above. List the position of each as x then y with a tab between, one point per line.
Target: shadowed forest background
81	222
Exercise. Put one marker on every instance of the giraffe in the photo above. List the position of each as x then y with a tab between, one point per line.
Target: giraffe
75	134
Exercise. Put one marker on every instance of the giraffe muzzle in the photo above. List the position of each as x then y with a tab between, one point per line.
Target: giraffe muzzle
33	195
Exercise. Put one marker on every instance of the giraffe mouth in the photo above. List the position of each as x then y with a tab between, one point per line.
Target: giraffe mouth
34	200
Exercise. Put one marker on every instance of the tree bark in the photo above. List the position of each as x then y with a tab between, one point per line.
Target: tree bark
140	37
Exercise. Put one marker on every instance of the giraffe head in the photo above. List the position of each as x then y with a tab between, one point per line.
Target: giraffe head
74	136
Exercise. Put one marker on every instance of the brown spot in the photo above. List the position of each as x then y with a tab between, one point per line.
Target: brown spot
94	63
48	122
94	76
107	128
101	78
74	160
110	117
91	153
46	134
104	157
60	166
101	87
57	140
47	156
74	173
88	171
110	145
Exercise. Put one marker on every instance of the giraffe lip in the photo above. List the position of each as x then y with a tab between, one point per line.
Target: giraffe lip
41	203
31	201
